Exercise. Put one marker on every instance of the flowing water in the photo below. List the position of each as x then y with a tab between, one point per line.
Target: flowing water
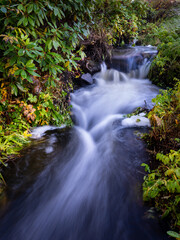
88	182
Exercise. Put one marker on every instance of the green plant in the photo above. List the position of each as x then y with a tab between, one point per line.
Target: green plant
165	120
165	68
38	44
162	185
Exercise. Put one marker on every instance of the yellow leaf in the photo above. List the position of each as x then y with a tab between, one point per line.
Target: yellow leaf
26	134
66	64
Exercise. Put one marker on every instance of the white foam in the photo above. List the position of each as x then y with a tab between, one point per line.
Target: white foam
40	131
136	121
49	149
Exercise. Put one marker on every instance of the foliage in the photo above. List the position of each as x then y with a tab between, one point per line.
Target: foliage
121	19
162	8
166	66
165	120
114	23
162	185
41	41
38	45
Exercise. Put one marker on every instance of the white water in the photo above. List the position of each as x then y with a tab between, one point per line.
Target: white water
91	190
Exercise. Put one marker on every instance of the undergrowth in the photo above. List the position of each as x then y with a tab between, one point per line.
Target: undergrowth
162	184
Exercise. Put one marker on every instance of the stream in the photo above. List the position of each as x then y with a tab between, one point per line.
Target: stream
84	183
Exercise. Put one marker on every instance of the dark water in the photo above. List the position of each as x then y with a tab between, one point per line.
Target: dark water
84	183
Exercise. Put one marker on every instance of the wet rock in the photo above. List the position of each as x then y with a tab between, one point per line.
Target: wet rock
87	78
93	67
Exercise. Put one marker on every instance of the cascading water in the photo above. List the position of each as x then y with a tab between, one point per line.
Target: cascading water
91	187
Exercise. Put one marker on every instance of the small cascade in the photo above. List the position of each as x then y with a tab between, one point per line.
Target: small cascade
132	59
142	71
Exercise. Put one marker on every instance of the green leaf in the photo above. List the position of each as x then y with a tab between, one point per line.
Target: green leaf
23	74
38	48
25	22
14	90
31	21
21	52
56	11
31	98
20	7
31	45
55	44
30	8
147	168
30	54
21	88
13	60
173	234
3	9
33	73
169	172
177	171
29	79
17	72
30	63
49	44
53	84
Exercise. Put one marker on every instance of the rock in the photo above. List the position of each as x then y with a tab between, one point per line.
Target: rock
87	78
93	67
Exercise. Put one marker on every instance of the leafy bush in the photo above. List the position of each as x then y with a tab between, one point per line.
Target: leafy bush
39	42
162	8
120	20
165	120
162	186
166	66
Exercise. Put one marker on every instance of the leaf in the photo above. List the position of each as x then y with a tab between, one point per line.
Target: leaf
30	54
177	171
67	64
17	72
31	21
56	11
30	64
55	44
25	22
21	52
13	60
26	134
21	88
23	74
33	73
14	90
169	172
29	79
31	98
3	9
30	8
31	45
49	44
147	168
173	234
20	7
